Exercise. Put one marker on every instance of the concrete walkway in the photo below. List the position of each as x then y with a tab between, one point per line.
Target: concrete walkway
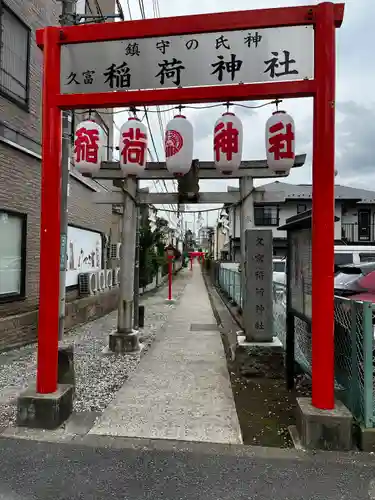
181	389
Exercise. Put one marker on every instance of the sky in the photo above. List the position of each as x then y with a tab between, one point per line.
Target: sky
355	100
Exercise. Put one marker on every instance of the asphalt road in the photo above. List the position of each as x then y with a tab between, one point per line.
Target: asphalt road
32	470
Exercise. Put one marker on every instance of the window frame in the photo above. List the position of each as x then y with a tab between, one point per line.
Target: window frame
344	262
261	221
21	295
299	205
369	255
18	101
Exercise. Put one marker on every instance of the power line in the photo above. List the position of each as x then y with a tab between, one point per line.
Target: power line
142	9
99	10
158	111
129	10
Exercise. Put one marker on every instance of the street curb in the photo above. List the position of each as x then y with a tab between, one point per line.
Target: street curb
233	310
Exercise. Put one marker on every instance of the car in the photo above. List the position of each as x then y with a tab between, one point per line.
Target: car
356	281
279	271
348	254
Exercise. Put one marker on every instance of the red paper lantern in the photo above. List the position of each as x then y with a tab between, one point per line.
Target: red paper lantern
280	145
133	147
228	138
179	142
89	144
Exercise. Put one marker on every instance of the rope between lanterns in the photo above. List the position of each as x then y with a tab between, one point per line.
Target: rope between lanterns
227	104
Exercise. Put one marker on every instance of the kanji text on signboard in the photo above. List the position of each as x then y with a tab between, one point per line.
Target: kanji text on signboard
234	57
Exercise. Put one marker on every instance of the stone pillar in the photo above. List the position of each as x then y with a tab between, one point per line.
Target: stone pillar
257	278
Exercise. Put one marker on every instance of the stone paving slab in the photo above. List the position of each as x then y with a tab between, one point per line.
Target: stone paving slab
181	390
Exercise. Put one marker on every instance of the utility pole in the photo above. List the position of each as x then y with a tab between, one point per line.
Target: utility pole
66	18
246	222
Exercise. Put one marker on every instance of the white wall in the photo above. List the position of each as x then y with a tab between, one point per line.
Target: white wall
84	253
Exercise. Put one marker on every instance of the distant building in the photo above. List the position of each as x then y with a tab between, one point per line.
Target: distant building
277	201
205	239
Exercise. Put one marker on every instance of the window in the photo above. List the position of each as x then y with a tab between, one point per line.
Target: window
266	216
12	255
279	267
14	57
367	257
342	259
301	207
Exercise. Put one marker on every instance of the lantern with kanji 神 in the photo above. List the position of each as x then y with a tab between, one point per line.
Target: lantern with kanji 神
179	145
133	147
228	137
280	133
89	144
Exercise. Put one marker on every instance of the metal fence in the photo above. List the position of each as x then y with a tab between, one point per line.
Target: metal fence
229	281
354	344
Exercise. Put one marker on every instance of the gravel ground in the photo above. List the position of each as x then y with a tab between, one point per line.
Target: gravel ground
98	376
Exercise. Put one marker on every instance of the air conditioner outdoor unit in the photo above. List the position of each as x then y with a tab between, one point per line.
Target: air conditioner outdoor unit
116	276
109	278
115	250
101	280
83	284
87	283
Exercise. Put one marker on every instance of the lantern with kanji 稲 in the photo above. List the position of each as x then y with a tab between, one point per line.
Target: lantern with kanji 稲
89	144
179	145
280	146
133	147
228	137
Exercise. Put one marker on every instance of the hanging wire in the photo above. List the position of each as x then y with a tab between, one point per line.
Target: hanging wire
181	107
129	10
277	102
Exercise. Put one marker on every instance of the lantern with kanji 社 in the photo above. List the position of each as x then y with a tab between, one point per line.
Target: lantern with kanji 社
228	137
133	147
89	144
280	133
179	145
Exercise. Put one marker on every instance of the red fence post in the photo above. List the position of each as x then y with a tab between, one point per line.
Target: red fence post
169	278
48	319
323	211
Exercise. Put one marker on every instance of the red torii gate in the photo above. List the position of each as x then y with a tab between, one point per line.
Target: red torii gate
192	256
325	18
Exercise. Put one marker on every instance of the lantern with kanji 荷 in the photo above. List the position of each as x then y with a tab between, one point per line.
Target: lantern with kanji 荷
89	144
179	145
228	137
133	147
280	146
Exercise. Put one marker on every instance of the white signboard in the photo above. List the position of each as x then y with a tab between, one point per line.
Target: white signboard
234	57
84	253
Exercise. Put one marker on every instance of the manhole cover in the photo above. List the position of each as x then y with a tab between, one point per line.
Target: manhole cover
200	327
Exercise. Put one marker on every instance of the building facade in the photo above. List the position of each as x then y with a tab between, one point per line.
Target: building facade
274	203
20	175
